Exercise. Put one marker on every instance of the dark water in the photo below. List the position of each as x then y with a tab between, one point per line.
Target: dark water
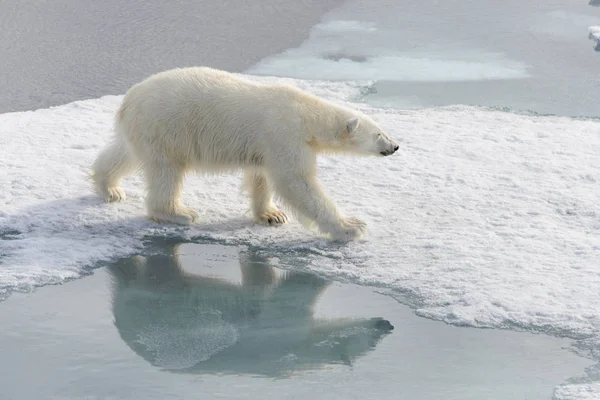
55	52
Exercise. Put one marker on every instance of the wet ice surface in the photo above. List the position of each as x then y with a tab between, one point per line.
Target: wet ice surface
223	321
486	218
531	55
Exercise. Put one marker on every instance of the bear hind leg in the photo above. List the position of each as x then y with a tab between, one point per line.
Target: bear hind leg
113	163
263	208
163	201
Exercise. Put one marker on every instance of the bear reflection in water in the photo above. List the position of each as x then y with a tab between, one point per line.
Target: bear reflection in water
187	322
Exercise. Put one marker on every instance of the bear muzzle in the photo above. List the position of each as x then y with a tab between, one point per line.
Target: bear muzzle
390	151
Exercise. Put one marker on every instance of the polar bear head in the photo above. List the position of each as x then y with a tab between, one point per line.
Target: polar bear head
360	134
355	133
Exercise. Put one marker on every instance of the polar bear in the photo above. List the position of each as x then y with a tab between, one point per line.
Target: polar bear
203	119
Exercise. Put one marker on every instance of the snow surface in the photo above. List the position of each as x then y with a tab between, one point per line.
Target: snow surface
595	35
584	391
483	218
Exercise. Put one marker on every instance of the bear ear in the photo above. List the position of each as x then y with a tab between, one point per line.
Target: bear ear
351	125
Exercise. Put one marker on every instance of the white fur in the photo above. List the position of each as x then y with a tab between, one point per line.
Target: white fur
203	119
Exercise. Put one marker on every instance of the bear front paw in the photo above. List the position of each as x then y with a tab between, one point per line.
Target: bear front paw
112	194
272	217
349	229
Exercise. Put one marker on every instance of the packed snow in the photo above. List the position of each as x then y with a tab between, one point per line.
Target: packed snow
483	218
595	36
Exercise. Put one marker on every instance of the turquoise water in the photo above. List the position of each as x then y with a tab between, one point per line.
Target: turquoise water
212	321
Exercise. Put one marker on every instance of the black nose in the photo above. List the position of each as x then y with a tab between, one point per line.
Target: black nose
389	152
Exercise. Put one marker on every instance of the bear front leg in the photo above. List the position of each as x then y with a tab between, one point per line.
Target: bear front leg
163	201
306	196
263	208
